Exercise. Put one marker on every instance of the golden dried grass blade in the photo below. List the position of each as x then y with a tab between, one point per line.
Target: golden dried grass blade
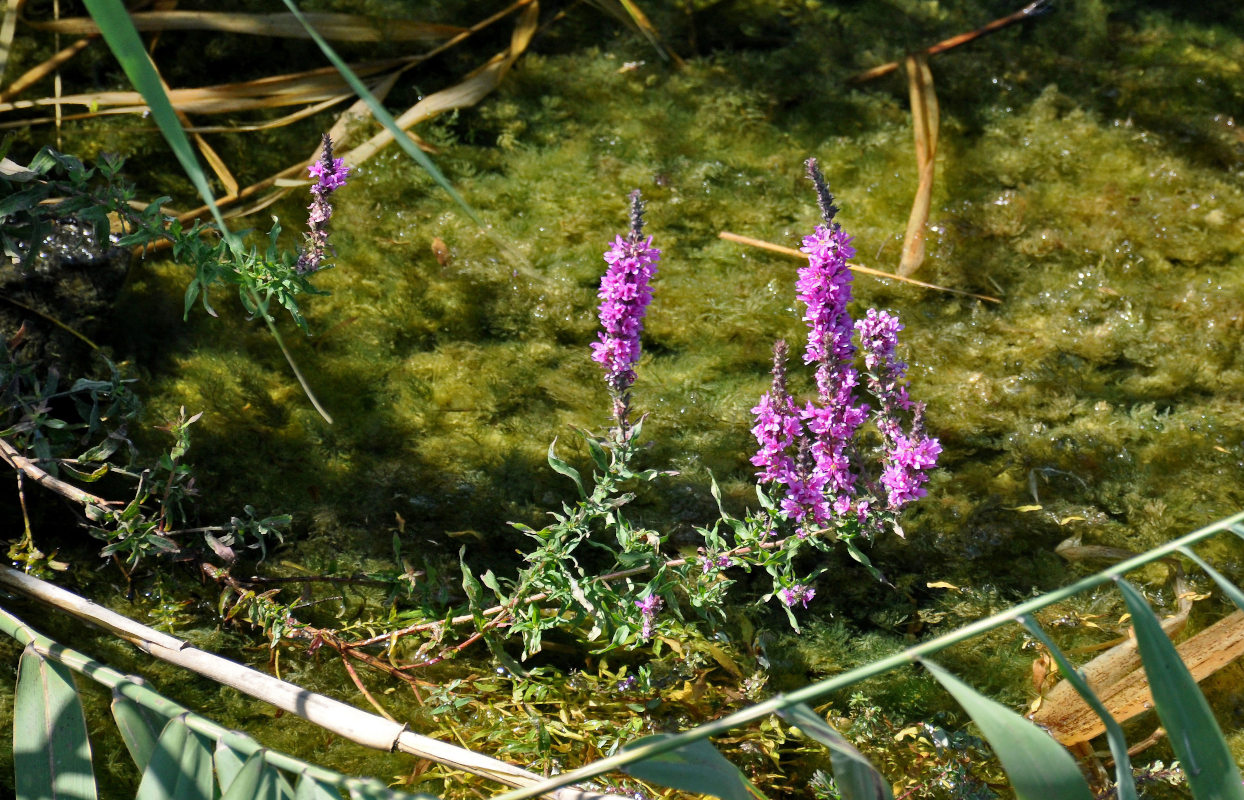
925	120
7	28
876	273
470	91
338	27
272	92
1070	720
216	163
38	73
650	32
279	122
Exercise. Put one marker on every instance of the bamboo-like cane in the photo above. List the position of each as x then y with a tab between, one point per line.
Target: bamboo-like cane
342	719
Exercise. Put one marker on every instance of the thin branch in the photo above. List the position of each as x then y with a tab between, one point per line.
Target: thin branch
1029	11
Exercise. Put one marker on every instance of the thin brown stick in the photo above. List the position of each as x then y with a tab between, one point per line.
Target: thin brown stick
1027	12
358	684
876	273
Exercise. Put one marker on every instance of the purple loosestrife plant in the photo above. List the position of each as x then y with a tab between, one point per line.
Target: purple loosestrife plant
625	293
814	456
330	175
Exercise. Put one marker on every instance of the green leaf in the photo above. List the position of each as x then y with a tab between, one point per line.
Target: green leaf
180	767
118	31
856	777
1039	767
598	453
140	728
229	763
696	767
1124	783
383	116
51	751
1228	588
257	781
1190	725
563	468
310	789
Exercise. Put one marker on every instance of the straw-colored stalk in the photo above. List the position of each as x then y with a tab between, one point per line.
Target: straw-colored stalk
341	719
925	122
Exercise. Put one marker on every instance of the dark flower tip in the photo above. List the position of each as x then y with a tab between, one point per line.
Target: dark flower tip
824	198
637	216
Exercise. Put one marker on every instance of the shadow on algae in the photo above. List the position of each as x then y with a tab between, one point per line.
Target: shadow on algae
1089	174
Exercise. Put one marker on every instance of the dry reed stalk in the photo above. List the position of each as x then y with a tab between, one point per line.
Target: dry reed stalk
8	26
925	122
468	92
41	71
337	27
876	273
332	715
271	92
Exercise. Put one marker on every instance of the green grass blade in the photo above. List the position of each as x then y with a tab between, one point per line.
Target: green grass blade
122	38
383	116
140	728
856	777
1125	785
697	767
180	768
1039	767
1190	725
1228	588
310	789
51	751
229	763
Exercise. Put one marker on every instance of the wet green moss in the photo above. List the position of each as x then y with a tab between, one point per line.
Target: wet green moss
1089	174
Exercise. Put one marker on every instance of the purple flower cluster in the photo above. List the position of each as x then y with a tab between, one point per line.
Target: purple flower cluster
906	455
330	175
796	594
625	293
648	608
812	451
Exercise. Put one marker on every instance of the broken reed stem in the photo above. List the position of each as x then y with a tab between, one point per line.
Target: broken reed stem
925	119
876	273
1029	11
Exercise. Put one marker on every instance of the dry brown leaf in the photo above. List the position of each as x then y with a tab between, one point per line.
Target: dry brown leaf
925	121
7	28
337	27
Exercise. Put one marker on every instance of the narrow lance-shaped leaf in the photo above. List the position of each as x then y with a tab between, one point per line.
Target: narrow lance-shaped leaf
118	31
51	751
1124	783
258	780
383	116
180	767
1039	767
1190	725
140	728
696	767
855	776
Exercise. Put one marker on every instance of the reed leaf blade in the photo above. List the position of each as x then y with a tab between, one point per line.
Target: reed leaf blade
140	728
855	776
51	751
1190	725
696	767
1038	766
1125	785
119	33
180	768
